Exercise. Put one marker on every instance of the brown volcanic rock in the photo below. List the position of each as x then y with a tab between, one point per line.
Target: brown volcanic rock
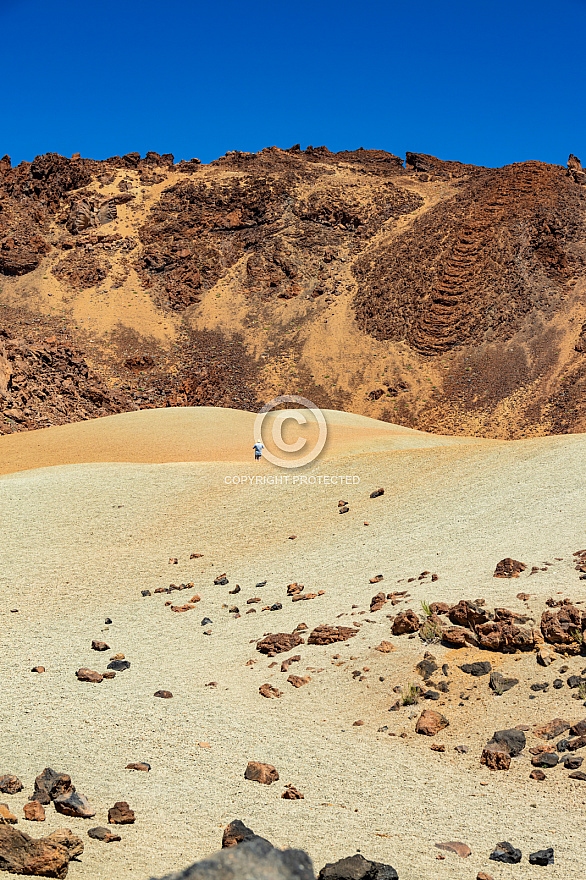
377	602
430	722
509	568
50	785
505	637
560	627
467	613
278	643
259	772
121	814
327	635
405	622
495	758
10	784
46	857
34	811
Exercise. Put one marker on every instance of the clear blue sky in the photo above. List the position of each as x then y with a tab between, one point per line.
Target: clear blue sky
486	83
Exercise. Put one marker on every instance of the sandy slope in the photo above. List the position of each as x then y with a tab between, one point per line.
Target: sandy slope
79	541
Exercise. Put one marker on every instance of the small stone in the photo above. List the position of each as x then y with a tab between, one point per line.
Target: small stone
173	560
462	750
206	621
477	669
385	647
358	724
579	775
119	665
538	775
430	723
572	762
506	852
138	765
542	857
90	675
109	675
38	669
495	758
343	509
509	568
299	680
99	646
103	834
291	794
501	683
357	868
10	784
34	811
377	493
455	846
258	772
165	695
121	814
268	691
482	875
7	815
438	747
292	537
546	759
236	832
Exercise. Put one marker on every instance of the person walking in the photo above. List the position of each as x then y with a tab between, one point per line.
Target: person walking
258	448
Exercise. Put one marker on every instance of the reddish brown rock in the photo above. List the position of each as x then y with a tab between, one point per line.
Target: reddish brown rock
138	765
45	857
439	608
293	589
268	691
34	811
430	722
327	635
538	775
551	729
456	636
523	597
299	680
505	637
438	747
455	846
377	602
292	794
236	832
10	784
468	613
278	643
110	674
578	729
49	785
577	743
258	772
103	834
90	675
287	663
7	815
509	568
38	669
495	758
564	627
405	622
100	646
385	647
121	814
165	695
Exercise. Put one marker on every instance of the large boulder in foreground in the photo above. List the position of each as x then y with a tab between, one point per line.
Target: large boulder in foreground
254	859
45	857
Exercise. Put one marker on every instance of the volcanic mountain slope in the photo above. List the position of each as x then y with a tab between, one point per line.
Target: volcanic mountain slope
435	294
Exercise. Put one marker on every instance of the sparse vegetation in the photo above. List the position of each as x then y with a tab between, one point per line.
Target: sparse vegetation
430	632
582	690
426	607
410	697
578	636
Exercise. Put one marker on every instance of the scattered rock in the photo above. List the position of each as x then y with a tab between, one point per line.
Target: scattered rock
237	832
508	568
258	772
430	722
327	635
579	775
267	690
299	680
551	729
34	811
121	814
100	646
455	846
90	675
10	784
74	804
495	758
103	834
119	665
546	759
537	775
477	669
501	683
564	627
49	785
385	647
377	602
506	852
38	669
513	739
542	857
377	493
278	643
138	765
357	868
405	622
572	762
291	794
165	695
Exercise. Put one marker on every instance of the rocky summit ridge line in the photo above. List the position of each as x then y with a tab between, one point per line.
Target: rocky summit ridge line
430	293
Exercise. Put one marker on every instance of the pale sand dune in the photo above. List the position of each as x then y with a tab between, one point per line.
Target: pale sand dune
79	541
194	434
